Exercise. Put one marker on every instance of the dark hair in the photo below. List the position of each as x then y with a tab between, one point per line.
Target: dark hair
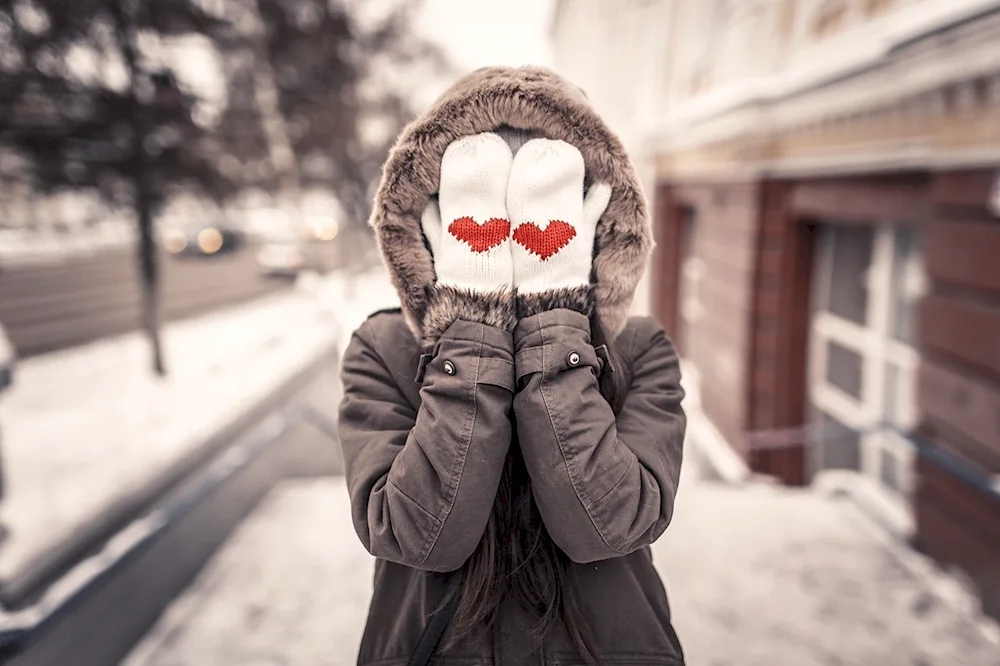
517	559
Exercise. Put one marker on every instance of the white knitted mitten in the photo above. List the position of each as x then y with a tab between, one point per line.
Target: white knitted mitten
554	226
469	233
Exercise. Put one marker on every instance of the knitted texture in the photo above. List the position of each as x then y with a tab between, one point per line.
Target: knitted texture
537	102
468	228
553	227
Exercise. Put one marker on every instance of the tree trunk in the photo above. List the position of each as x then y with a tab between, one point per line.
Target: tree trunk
266	94
149	270
145	198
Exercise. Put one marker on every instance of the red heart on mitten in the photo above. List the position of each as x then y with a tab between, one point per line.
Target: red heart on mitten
544	243
480	237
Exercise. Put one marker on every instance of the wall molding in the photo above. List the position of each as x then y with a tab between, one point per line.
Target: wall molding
931	103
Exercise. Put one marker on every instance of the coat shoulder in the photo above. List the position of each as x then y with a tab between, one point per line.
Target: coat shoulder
641	334
387	325
638	333
387	333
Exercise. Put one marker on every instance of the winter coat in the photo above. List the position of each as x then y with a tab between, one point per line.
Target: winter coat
425	433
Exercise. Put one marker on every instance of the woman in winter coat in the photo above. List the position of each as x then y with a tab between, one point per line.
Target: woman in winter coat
512	439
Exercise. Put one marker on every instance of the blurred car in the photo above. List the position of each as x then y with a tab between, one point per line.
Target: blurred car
203	239
283	253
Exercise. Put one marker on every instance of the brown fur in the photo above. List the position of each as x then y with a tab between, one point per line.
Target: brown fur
531	99
445	305
580	299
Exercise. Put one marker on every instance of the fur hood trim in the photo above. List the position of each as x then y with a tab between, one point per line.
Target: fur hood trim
531	99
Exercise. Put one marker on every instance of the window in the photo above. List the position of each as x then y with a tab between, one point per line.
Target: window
709	28
844	368
907	284
786	20
851	248
867	283
876	7
843	445
829	17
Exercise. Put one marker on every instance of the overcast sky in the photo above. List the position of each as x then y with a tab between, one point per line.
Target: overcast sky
477	33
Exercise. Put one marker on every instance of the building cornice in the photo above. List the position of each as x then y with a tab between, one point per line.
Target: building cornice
929	102
861	51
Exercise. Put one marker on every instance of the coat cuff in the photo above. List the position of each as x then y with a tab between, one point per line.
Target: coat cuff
580	299
469	351
553	341
447	305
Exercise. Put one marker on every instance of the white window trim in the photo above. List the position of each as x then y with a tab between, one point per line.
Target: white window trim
877	348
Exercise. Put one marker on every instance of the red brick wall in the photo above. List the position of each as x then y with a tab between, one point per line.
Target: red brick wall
780	323
666	259
720	342
959	388
750	344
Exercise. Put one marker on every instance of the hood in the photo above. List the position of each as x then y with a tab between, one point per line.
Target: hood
529	99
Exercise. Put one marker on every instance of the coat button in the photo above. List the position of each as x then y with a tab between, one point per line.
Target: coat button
449	368
573	359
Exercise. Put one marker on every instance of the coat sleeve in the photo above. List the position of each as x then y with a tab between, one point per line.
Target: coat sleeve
422	482
604	485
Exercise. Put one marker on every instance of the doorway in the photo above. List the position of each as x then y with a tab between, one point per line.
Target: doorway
692	271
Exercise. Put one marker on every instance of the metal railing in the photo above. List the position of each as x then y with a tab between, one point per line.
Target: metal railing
969	472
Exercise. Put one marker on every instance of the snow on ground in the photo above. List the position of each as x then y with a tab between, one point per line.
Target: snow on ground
84	426
368	292
291	586
765	575
757	575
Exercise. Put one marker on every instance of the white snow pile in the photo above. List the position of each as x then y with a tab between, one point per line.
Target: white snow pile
84	426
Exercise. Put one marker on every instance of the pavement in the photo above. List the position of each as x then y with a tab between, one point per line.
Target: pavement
764	575
291	586
758	575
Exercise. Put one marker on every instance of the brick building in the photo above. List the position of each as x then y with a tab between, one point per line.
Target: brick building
825	182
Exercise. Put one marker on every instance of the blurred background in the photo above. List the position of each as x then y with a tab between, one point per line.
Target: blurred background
184	190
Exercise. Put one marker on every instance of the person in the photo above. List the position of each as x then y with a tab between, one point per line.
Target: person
512	439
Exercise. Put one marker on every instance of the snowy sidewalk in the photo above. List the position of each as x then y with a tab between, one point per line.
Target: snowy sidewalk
757	576
291	586
86	426
765	575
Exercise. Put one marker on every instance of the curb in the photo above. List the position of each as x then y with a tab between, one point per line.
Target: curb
949	586
720	460
35	577
82	599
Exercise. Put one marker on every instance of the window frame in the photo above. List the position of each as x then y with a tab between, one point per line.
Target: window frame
878	348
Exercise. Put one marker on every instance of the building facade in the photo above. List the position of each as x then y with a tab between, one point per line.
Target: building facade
826	187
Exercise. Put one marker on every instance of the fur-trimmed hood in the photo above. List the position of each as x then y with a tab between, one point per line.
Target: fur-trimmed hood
530	99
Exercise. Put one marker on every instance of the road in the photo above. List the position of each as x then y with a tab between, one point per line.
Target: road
46	307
